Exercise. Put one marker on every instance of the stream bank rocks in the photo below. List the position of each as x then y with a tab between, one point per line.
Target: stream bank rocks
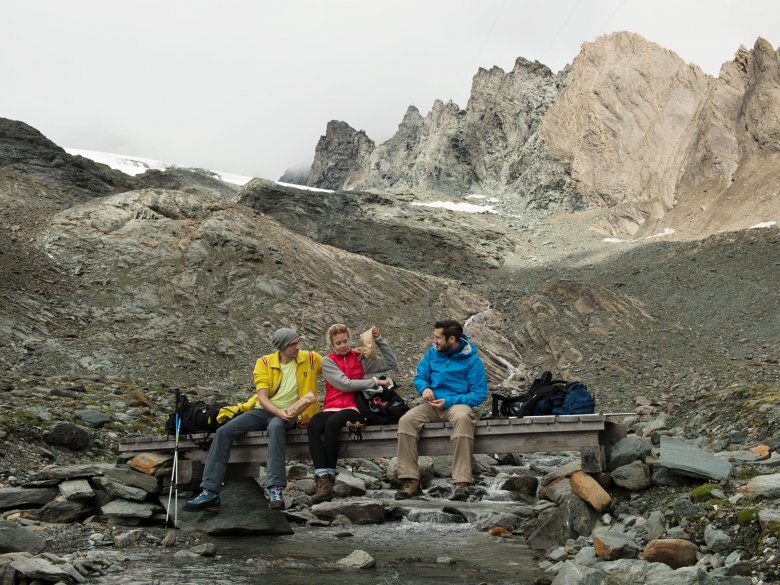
718	521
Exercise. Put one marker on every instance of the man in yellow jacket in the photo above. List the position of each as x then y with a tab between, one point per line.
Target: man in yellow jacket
281	378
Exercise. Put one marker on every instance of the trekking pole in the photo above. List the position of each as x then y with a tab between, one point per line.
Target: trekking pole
174	473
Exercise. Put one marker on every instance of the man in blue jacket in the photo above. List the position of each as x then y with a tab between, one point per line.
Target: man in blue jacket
451	380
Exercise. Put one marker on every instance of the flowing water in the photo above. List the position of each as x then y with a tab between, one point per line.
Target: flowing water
405	553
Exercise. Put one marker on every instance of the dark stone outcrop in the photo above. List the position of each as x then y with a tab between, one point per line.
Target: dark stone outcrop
25	150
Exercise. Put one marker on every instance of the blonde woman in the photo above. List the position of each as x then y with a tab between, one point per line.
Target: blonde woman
345	371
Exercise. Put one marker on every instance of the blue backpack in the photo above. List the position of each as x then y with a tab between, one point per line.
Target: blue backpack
546	396
576	400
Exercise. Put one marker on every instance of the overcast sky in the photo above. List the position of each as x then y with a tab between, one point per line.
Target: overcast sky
248	86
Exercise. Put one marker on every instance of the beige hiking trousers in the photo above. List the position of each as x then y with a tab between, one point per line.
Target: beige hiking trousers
462	419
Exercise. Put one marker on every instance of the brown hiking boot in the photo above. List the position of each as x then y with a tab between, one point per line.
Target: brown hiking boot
409	488
324	491
461	492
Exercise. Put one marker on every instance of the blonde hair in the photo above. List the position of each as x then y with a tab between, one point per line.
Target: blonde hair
337	329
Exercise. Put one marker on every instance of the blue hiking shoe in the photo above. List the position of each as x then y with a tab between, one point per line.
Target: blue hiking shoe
275	497
207	500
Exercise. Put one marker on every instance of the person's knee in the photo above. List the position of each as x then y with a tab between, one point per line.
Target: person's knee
276	427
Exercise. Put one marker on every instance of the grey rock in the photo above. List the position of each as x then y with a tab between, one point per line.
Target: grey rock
73	471
631	448
504	520
586	556
186	554
572	518
668	477
656	525
766	486
14	538
93	417
368	467
76	489
524	485
357	559
717	540
358	511
121	490
129	476
235	516
39	568
688	460
559	492
349	485
207	549
67	434
683	508
15	497
635	476
482	464
64	511
616	545
125	539
128	509
572	573
433	516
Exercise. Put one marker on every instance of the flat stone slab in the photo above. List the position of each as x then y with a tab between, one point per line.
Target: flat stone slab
686	459
15	538
16	497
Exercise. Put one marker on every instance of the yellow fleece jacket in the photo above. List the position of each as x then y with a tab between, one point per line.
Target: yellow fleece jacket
268	374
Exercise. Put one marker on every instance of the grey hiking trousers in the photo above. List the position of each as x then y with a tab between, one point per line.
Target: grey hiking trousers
256	419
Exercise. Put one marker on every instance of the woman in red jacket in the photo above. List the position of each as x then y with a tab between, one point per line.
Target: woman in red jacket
345	371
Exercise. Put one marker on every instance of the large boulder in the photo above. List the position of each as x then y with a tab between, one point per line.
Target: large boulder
14	538
243	510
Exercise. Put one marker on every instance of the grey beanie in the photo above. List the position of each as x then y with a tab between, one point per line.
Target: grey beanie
282	337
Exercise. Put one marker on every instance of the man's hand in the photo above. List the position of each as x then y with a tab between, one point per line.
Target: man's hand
282	414
427	395
383	383
438	403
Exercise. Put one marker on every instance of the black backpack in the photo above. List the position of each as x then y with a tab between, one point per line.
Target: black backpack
196	417
385	408
545	396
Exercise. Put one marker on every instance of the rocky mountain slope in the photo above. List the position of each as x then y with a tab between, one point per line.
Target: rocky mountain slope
629	128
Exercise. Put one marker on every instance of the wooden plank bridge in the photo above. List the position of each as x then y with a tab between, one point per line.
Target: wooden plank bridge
590	434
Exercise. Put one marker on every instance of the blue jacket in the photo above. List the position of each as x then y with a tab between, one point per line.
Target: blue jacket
458	378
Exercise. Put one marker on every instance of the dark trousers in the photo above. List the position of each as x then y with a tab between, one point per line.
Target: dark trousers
323	431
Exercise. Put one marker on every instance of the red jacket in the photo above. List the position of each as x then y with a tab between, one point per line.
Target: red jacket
352	367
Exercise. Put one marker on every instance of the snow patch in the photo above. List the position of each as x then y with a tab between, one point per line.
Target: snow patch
456	206
304	187
763	224
135	165
485	197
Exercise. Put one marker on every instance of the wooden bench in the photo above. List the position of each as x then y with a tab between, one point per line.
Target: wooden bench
590	434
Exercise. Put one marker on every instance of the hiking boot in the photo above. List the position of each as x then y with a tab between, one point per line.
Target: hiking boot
275	497
324	491
207	500
461	492
409	489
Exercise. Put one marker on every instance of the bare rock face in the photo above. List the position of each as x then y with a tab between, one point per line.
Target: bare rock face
188	180
24	150
730	179
629	131
493	145
341	153
625	121
508	154
207	281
